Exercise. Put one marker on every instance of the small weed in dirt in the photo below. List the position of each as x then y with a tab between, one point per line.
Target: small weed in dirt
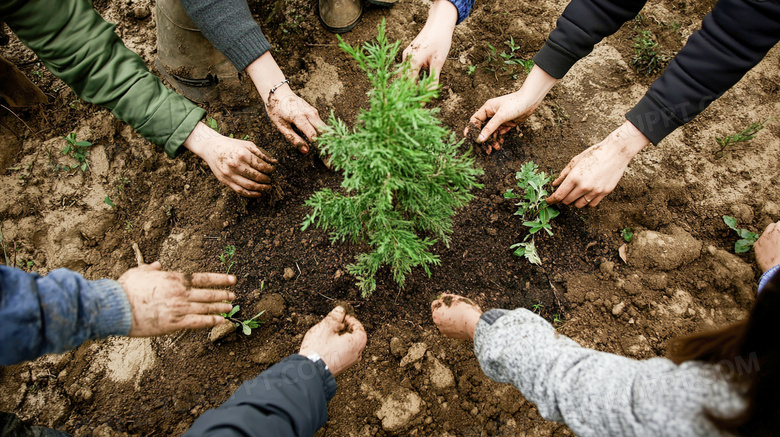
505	63
226	258
212	123
403	174
648	57
746	135
471	70
747	238
627	234
109	202
537	307
76	150
532	208
246	325
557	319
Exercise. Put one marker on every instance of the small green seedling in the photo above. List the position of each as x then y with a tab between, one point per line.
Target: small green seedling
648	57
747	238
76	150
746	135
627	234
109	202
557	318
537	307
471	70
212	123
226	258
532	208
246	325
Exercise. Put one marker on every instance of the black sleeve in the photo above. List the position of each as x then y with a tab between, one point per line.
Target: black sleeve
583	24
734	37
229	25
289	399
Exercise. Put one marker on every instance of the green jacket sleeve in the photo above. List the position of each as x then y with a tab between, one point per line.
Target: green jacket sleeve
76	45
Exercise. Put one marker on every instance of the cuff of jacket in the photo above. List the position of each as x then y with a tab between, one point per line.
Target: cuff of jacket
767	276
115	314
653	119
463	7
555	60
483	326
329	385
250	46
175	144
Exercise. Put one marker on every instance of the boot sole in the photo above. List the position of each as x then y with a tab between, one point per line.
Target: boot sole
383	4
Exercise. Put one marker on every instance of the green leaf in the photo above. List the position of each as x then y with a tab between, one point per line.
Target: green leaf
109	202
246	329
83	144
234	311
743	246
730	222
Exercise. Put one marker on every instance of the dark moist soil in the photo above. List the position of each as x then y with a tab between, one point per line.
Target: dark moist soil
178	213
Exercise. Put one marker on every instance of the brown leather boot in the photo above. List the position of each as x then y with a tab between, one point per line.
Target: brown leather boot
339	16
383	3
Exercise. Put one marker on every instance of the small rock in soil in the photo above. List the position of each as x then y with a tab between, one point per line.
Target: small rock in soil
289	273
441	376
397	346
272	304
415	354
221	331
399	409
491	231
142	12
617	309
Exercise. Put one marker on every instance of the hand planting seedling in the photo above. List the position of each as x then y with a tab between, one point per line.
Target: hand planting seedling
627	234
76	150
746	135
226	258
246	325
747	238
403	176
532	208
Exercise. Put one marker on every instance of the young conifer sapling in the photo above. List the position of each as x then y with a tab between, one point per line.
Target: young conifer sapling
403	175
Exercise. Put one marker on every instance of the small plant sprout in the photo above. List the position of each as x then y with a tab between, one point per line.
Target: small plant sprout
246	325
471	70
226	258
212	123
557	318
537	307
627	234
747	238
404	176
648	57
109	202
532	208
78	151
746	135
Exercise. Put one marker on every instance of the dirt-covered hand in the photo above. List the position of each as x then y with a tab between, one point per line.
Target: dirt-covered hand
165	302
239	164
430	48
510	110
594	173
456	316
768	247
286	109
339	339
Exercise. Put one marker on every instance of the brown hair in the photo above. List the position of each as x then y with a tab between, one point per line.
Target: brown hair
755	341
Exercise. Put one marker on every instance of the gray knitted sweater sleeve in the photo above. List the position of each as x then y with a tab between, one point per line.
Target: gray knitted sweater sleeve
596	393
229	25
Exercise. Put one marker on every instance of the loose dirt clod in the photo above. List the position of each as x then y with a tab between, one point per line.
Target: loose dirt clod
289	273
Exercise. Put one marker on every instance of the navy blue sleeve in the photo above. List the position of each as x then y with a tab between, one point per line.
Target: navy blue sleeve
734	37
463	7
583	24
56	313
290	399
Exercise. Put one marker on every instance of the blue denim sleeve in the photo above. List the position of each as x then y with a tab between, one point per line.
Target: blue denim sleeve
767	276
56	313
290	399
463	7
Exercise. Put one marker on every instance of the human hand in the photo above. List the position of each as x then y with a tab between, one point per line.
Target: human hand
239	164
594	173
430	48
286	109
165	302
510	110
456	316
767	247
338	339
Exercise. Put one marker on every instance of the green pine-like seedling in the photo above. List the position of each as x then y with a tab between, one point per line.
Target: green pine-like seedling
532	208
403	176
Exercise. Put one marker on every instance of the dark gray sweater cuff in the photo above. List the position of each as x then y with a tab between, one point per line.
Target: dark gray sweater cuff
555	60
250	46
653	119
491	316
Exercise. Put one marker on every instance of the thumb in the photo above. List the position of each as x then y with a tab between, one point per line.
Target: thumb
154	266
490	127
337	315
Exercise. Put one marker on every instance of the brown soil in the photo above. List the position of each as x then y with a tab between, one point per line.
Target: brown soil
419	382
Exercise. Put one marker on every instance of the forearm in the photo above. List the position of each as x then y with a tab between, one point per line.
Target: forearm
56	313
77	46
229	25
583	24
733	39
288	399
266	74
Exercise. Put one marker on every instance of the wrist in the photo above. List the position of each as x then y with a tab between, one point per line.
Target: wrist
443	15
198	139
628	140
537	85
265	75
